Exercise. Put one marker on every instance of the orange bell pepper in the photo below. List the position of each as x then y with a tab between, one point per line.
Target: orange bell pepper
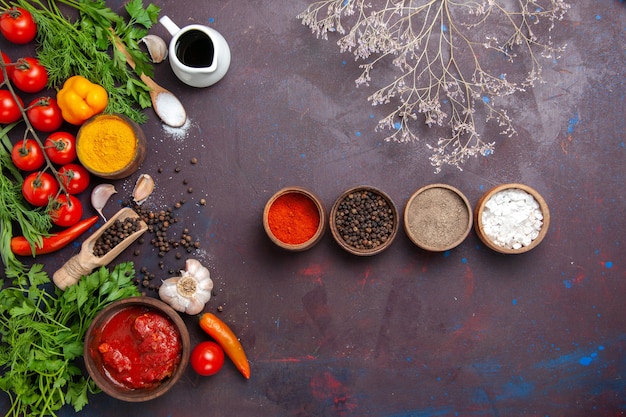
79	99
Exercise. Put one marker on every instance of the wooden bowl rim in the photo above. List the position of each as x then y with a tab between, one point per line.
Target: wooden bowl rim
461	238
134	163
321	228
545	210
335	233
137	395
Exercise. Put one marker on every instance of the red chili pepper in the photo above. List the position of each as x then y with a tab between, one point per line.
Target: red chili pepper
21	246
225	337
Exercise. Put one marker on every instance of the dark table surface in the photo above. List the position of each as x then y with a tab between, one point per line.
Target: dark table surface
468	332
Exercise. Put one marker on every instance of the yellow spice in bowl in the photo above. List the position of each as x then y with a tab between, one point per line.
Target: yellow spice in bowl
107	144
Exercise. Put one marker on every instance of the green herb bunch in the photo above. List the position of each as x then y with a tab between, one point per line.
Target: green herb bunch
14	209
43	332
84	46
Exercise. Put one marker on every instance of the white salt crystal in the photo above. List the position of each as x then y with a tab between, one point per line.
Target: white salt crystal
512	218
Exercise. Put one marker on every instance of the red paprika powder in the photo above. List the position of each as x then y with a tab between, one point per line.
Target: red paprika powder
293	218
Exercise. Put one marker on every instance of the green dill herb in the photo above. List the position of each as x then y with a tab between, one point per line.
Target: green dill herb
82	46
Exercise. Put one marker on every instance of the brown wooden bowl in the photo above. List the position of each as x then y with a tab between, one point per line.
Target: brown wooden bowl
92	142
437	217
337	222
93	359
316	235
480	209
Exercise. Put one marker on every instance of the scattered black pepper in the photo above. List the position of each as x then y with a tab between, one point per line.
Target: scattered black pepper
159	224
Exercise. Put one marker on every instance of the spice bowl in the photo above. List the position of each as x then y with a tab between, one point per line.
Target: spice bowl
512	218
294	219
111	146
151	373
437	217
364	221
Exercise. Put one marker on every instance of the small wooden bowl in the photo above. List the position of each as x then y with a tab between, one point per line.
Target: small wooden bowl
316	235
337	220
437	217
93	361
92	142
480	209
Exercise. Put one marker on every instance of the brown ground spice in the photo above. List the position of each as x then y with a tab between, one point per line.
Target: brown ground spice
437	217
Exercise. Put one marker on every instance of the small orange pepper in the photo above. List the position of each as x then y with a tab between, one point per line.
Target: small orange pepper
225	337
79	99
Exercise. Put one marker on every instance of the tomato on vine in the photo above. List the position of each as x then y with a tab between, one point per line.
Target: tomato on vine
66	210
60	147
207	358
29	75
39	187
7	66
27	155
9	108
74	177
18	25
44	114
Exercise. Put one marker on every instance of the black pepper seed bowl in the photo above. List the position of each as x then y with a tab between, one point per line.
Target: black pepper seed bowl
364	221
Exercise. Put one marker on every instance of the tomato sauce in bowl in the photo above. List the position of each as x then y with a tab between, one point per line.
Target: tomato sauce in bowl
137	349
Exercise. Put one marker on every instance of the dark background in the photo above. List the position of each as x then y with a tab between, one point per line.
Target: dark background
467	332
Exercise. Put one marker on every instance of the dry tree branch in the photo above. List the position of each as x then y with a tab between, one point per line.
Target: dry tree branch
434	45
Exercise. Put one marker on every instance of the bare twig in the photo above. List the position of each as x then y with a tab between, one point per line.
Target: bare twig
436	47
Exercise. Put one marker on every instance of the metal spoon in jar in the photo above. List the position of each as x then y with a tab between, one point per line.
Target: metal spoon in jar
169	109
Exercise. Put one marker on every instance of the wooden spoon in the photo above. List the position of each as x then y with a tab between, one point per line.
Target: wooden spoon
86	261
169	109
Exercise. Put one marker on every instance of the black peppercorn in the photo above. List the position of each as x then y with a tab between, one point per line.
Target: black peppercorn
364	220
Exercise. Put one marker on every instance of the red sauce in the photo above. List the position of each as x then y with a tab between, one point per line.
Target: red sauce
138	347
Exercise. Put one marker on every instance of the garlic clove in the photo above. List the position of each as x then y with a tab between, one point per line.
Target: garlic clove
157	48
143	188
100	195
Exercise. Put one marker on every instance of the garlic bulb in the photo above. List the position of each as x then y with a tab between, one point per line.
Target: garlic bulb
189	292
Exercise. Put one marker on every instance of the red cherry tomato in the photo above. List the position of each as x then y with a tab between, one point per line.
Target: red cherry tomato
29	75
18	25
66	210
9	68
75	178
9	109
44	114
207	358
39	187
27	155
60	147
